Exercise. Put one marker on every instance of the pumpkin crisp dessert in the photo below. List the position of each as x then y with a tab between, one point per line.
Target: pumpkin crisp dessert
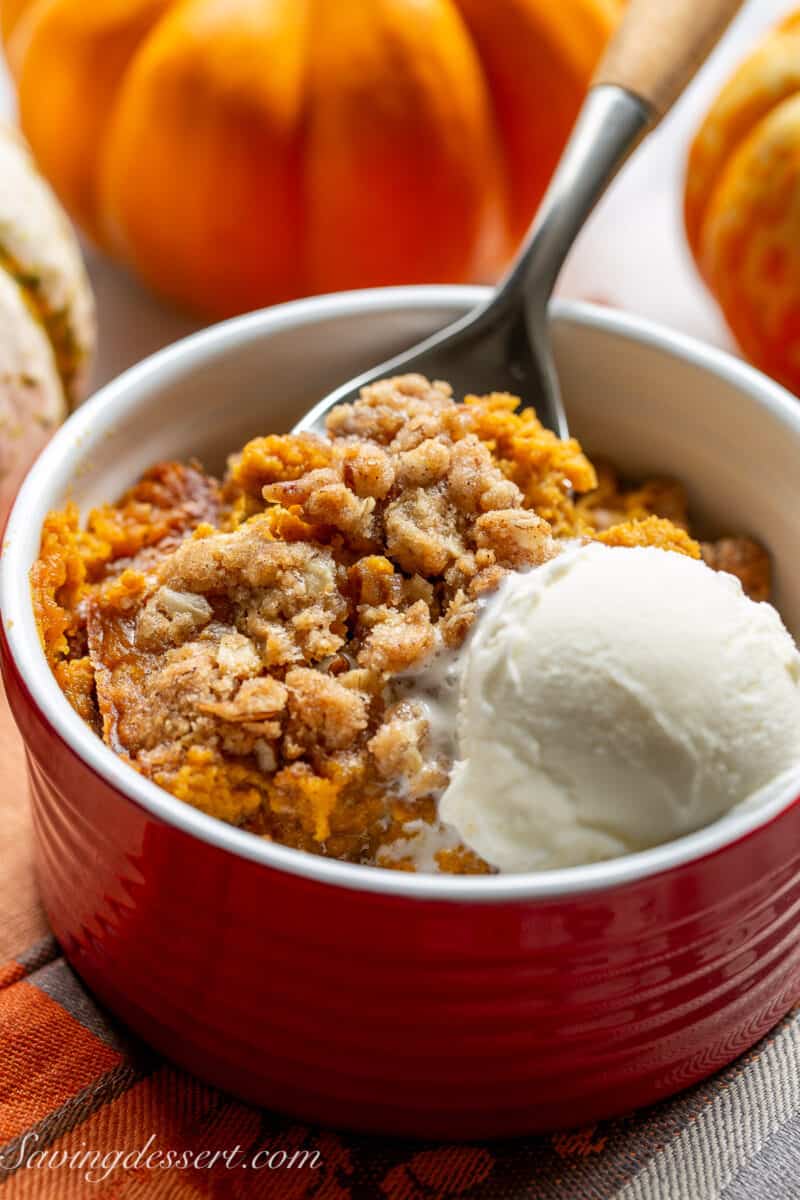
250	644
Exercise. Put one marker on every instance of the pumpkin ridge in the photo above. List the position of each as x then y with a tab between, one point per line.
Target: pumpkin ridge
749	263
304	119
533	51
12	12
212	101
85	53
399	125
767	78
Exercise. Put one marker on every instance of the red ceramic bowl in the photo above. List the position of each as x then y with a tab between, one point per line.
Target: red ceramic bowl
377	1000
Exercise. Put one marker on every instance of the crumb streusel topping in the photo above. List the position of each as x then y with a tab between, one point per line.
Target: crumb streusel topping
240	642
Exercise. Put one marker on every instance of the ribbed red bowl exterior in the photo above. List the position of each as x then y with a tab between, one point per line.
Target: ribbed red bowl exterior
430	1018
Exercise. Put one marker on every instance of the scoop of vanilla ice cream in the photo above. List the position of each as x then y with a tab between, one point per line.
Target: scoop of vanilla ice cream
614	699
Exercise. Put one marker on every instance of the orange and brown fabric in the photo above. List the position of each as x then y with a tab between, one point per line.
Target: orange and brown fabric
87	1111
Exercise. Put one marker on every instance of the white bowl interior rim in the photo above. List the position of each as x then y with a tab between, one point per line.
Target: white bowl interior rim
119	398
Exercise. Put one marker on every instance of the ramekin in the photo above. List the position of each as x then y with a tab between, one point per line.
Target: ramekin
414	1005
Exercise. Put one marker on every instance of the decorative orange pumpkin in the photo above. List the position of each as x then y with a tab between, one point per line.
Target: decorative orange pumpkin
240	152
742	203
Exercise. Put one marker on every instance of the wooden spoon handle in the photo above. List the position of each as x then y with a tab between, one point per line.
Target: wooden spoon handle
660	44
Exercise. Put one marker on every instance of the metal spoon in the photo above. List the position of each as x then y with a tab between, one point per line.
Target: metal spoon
504	344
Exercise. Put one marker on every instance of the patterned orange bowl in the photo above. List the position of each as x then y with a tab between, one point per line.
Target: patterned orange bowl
379	1000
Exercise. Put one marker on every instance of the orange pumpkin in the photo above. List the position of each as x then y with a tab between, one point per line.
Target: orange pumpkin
742	203
240	152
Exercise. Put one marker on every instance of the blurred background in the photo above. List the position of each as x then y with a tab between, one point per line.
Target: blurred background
634	253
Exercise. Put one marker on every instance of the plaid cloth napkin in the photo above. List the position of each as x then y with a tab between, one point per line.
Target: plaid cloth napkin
87	1111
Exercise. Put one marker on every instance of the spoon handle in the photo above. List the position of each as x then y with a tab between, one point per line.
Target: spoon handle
653	55
660	44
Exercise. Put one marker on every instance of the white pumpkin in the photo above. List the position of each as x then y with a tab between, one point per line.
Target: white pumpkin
47	320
